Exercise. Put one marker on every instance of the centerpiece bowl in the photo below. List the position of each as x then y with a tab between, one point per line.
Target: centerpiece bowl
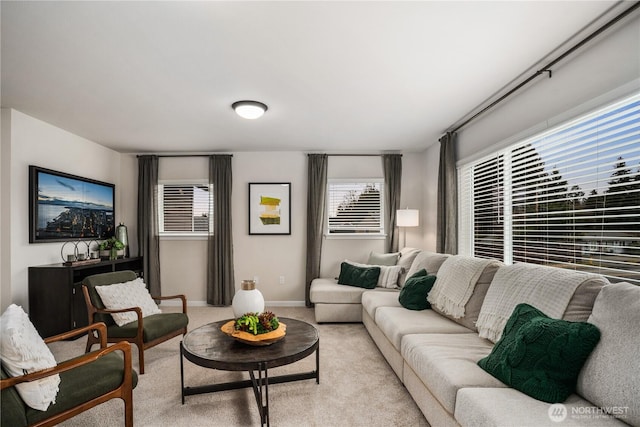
255	329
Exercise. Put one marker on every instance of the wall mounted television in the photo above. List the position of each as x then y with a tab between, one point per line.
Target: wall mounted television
65	207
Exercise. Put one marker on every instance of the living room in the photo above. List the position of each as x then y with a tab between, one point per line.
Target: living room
605	70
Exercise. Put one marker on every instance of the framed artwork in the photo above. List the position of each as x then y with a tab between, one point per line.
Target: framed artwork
269	208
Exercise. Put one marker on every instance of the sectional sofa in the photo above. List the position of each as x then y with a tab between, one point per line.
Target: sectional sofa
435	352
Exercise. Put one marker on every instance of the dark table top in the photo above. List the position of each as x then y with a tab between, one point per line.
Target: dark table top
209	347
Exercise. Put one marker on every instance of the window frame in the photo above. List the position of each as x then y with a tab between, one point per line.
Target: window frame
183	235
328	234
550	146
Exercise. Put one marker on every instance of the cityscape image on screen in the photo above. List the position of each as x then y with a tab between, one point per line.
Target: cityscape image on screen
68	207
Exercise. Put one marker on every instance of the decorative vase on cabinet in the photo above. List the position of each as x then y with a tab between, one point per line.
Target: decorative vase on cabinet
248	299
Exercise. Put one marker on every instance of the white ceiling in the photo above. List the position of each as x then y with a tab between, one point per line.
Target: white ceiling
337	76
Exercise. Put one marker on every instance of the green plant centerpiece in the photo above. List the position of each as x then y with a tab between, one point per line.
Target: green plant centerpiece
257	323
113	245
257	329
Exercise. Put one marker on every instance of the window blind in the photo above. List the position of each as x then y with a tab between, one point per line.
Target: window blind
569	197
355	207
185	208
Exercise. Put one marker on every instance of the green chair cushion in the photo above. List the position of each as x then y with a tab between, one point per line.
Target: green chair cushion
12	412
83	384
155	326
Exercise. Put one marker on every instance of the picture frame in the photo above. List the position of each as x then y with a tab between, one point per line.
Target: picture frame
65	207
269	208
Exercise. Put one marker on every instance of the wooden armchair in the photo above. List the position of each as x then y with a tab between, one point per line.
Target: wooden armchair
85	382
145	332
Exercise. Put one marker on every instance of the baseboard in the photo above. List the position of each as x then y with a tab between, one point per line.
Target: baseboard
284	303
190	303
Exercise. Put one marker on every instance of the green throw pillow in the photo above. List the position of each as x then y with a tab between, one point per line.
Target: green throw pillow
413	294
363	277
541	356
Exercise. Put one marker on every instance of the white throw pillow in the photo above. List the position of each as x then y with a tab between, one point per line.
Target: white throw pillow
126	295
24	351
389	274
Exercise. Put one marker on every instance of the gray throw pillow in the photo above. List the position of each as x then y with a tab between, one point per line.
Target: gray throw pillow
376	258
609	378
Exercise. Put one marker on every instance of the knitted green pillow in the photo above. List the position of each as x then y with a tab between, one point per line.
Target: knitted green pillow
363	277
541	356
413	294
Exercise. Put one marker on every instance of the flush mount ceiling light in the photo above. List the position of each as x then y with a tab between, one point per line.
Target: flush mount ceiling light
249	109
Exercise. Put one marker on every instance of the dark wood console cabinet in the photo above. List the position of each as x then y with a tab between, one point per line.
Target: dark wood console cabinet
56	303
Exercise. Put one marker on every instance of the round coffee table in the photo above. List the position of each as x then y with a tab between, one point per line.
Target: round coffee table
209	347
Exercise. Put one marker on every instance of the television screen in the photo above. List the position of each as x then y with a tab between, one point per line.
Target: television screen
68	207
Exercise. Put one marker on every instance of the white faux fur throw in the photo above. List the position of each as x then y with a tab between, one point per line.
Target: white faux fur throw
455	282
549	289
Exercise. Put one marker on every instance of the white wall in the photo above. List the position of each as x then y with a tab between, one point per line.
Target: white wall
430	159
337	249
600	73
33	142
27	141
183	262
5	203
603	67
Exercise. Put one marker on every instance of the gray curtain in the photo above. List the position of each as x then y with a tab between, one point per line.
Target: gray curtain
392	168
316	202
447	223
148	232
220	276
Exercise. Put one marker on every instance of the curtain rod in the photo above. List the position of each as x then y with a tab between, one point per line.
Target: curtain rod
546	69
184	155
360	155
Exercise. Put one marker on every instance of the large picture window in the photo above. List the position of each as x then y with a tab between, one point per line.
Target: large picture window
185	209
355	207
569	197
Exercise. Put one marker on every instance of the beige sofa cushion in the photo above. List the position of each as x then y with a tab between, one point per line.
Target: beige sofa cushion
447	362
610	376
372	299
430	261
329	291
396	322
581	303
508	407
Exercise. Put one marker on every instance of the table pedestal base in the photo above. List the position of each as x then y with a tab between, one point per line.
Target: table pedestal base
260	385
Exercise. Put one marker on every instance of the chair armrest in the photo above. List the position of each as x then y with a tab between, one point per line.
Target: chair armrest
122	346
181	297
100	327
138	311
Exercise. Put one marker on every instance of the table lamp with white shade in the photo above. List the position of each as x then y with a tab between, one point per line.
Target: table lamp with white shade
407	218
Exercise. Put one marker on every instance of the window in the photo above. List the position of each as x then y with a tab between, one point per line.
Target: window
185	209
569	197
355	208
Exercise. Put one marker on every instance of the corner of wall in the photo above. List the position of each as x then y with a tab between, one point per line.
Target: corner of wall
5	198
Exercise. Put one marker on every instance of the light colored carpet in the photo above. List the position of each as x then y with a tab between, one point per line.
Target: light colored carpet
357	387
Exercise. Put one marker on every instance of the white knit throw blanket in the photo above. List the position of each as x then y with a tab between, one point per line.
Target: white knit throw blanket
549	289
455	282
